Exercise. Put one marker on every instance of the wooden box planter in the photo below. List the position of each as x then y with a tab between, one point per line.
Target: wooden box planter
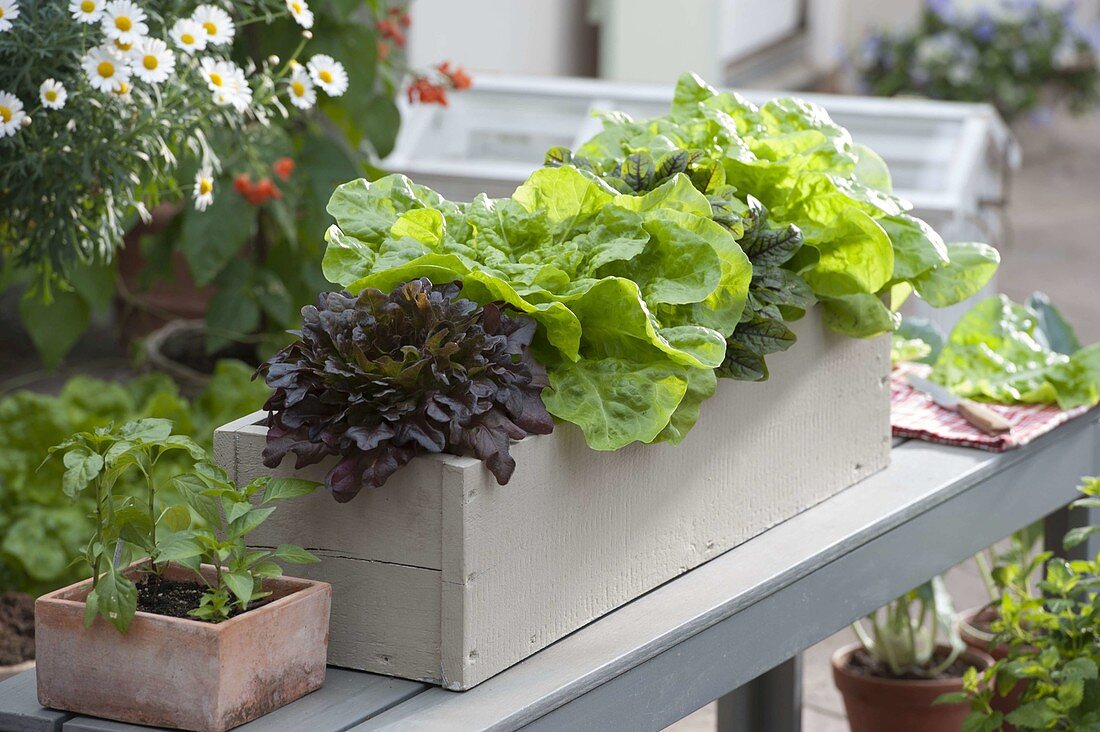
181	673
444	576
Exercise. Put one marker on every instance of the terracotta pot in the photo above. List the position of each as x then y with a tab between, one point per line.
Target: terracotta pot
141	311
6	672
968	625
892	705
184	674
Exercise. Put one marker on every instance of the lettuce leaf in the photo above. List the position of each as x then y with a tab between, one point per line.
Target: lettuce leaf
808	173
999	351
634	295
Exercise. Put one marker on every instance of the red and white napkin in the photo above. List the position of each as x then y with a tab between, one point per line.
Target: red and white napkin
914	415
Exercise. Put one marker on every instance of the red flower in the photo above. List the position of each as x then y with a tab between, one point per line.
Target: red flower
383	50
401	16
283	167
242	183
389	30
423	90
267	190
458	77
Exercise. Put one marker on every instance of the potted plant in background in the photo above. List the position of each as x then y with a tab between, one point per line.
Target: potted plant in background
176	599
1052	636
892	678
1020	57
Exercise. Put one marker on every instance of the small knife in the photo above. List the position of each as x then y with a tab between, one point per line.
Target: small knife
976	414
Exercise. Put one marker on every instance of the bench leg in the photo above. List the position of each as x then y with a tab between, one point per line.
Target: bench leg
1058	523
772	702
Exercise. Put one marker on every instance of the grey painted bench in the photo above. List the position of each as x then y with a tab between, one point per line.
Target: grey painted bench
731	629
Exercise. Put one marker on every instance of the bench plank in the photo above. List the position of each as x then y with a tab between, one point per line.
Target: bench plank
20	710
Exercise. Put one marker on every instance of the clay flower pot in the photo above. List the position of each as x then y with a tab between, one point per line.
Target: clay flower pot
971	625
184	674
894	705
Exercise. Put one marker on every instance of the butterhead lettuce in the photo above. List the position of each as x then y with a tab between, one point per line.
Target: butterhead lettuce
634	295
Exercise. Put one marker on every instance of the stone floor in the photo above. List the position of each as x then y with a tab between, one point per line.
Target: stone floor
1054	246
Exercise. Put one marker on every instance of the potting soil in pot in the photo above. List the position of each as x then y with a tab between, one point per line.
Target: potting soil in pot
175	599
861	663
16	628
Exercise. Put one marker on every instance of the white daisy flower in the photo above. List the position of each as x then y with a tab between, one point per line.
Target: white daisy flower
329	74
188	35
53	94
86	11
123	91
11	114
9	11
204	189
124	21
152	60
123	48
217	24
302	93
301	13
227	82
105	68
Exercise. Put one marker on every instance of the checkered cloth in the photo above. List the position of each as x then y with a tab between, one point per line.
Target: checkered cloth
913	414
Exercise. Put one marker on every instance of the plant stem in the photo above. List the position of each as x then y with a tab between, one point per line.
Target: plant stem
986	573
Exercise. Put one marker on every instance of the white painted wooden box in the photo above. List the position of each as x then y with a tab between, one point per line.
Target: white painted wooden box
446	577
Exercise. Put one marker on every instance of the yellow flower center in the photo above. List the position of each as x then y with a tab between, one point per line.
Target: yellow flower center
123	87
87	6
51	95
205	186
187	39
123	46
1	12
150	62
296	8
106	69
326	76
5	114
298	88
210	28
123	23
215	78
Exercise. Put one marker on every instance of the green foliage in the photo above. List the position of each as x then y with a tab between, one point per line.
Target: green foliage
1053	636
903	634
127	526
1017	56
1002	351
635	295
860	245
41	530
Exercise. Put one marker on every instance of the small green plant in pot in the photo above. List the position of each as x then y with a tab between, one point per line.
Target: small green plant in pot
1052	638
891	678
176	591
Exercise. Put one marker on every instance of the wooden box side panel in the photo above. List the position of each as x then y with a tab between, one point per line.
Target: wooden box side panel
398	523
577	533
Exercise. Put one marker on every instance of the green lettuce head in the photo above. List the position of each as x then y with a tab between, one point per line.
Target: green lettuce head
635	295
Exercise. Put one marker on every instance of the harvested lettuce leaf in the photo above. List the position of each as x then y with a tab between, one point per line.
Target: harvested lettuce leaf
1000	352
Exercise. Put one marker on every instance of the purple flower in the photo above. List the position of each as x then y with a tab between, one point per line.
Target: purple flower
985	28
1041	116
943	8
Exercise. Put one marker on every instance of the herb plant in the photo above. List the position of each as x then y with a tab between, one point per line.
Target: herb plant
634	295
1053	635
42	531
377	379
1019	56
127	527
903	635
1006	352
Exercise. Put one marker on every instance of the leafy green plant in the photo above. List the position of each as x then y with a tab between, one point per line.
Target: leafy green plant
41	530
1017	56
903	635
1005	352
1053	636
634	295
128	527
380	378
775	293
863	255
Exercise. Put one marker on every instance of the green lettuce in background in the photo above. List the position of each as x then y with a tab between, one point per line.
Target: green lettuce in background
863	254
635	295
1002	351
